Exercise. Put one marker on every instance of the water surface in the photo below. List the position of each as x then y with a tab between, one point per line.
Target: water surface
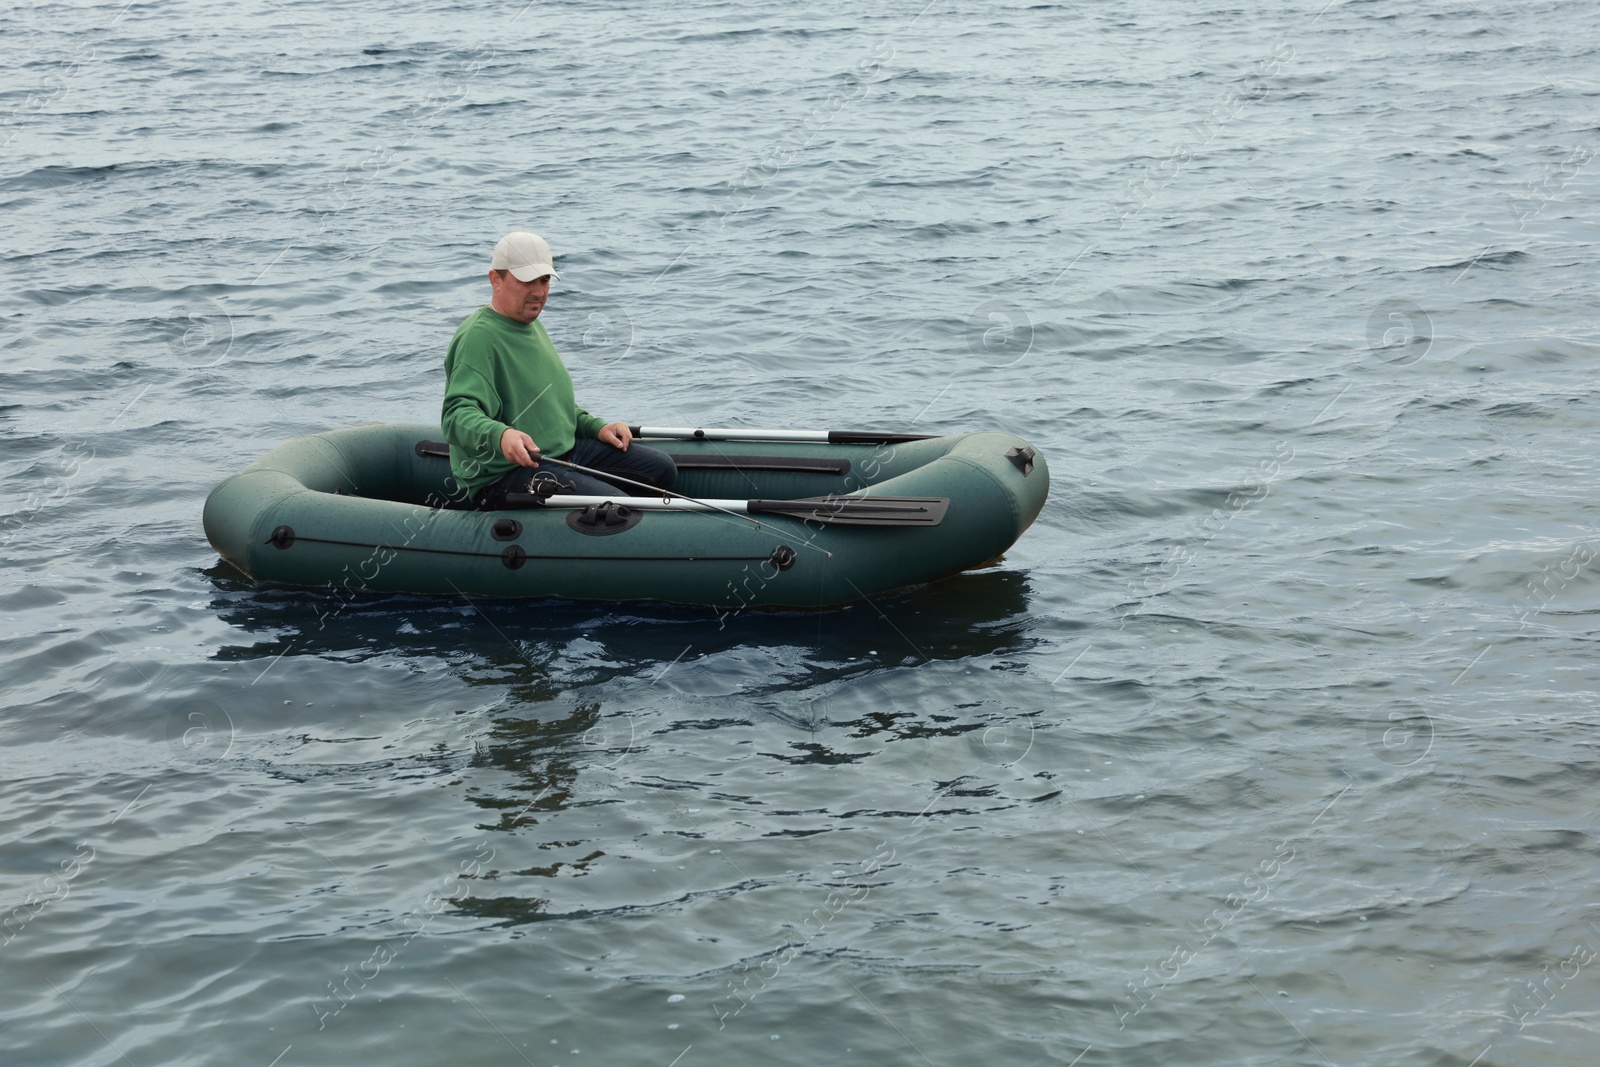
1269	743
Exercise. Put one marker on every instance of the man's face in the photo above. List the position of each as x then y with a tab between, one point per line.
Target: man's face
521	301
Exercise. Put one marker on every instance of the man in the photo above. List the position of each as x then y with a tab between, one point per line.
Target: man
508	397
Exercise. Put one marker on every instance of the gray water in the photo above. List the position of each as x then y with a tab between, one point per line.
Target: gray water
1269	743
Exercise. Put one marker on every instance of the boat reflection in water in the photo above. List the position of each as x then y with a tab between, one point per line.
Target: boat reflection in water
582	696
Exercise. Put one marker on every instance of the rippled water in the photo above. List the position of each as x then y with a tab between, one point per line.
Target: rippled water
1269	743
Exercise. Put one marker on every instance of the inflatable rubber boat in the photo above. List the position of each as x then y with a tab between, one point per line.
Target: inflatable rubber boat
758	518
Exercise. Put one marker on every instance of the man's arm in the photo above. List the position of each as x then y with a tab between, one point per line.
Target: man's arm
615	434
589	425
471	401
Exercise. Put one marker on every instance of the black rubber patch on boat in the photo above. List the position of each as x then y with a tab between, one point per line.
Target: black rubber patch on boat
505	530
513	557
603	520
782	558
440	449
282	537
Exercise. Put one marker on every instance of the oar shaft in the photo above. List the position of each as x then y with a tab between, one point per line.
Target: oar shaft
825	437
850	511
846	511
689	433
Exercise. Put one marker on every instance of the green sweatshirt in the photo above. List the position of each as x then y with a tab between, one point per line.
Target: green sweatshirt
499	373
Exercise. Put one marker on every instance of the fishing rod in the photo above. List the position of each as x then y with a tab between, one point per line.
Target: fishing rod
829	510
548	489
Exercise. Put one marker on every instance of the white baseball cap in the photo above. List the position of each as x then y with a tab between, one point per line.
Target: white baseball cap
526	255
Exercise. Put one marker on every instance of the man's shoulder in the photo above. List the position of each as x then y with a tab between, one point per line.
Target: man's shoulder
477	322
478	332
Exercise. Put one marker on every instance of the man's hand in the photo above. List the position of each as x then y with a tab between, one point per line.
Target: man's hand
519	448
616	434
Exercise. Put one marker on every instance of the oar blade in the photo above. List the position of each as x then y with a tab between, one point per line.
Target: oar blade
859	510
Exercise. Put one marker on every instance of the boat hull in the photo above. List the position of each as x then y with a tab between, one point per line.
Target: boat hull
357	510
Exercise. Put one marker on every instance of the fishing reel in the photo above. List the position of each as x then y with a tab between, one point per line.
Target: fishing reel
543	487
540	489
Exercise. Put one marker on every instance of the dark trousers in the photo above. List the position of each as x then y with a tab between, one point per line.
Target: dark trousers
639	463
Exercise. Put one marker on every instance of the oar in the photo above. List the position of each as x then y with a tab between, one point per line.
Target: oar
549	495
830	510
830	437
441	449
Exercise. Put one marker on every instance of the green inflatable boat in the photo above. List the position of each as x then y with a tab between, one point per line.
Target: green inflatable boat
758	518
